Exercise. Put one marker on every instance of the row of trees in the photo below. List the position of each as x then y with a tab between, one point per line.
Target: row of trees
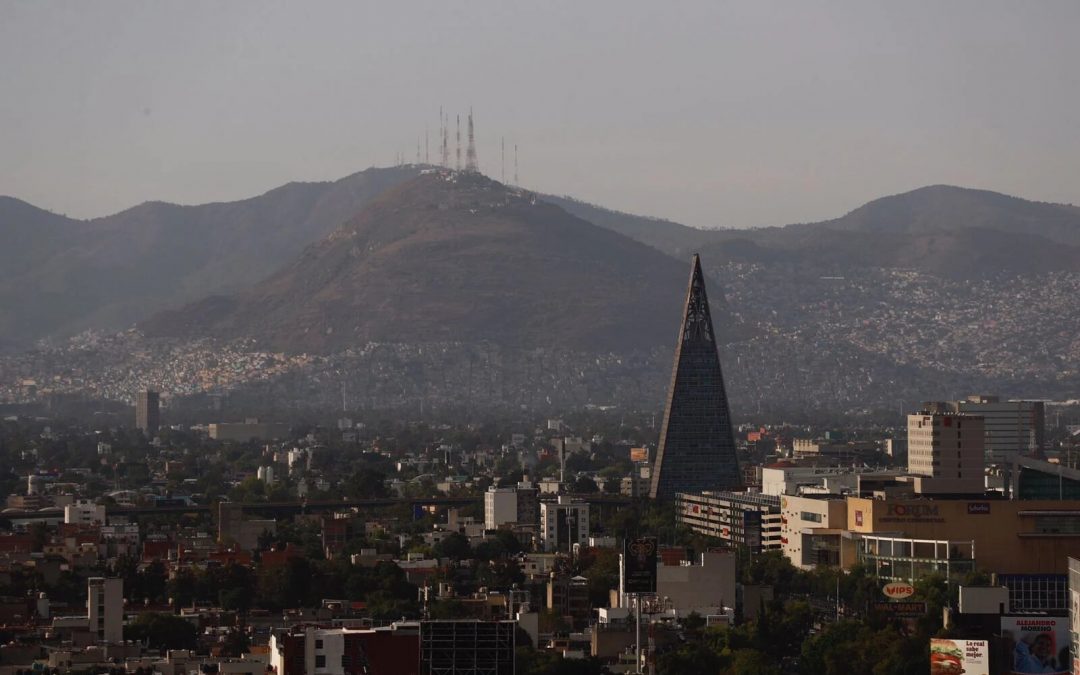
798	630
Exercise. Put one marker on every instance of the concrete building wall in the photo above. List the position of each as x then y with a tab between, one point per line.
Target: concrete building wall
84	512
709	584
147	412
1011	427
802	515
1011	537
500	506
329	647
105	609
564	523
788	480
738	518
947	447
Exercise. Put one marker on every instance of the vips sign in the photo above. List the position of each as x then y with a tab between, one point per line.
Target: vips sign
952	657
639	565
898	590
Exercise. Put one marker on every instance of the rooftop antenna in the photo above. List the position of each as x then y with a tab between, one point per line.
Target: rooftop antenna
457	164
515	166
417	149
471	164
427	133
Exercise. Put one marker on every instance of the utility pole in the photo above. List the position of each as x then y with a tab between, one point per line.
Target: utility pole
637	613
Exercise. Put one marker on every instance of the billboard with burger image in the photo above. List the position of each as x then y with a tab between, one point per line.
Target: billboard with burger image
959	657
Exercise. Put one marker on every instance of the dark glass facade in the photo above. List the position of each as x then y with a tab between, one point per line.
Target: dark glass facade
697	443
1034	484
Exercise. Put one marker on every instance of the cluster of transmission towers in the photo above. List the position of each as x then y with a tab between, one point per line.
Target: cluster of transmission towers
471	165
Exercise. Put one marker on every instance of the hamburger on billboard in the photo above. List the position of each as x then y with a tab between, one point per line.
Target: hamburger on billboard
959	657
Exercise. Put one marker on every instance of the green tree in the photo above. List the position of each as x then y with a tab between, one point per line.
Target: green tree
366	483
162	631
752	662
585	485
693	658
454	546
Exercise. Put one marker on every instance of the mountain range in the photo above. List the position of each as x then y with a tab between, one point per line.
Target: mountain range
453	257
414	255
60	276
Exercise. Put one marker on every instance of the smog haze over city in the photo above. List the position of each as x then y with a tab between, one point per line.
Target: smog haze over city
539	338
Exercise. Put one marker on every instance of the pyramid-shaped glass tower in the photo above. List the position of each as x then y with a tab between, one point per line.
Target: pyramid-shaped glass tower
697	446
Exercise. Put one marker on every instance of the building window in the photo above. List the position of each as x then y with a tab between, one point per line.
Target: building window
318	644
320	661
1057	524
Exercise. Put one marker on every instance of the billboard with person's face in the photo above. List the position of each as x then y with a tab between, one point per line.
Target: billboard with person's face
959	657
1040	644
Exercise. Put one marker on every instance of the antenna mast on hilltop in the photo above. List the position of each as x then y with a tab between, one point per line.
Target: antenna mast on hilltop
427	134
502	160
445	142
471	164
515	165
457	164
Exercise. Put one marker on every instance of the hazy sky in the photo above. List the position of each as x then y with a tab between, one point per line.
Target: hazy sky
710	113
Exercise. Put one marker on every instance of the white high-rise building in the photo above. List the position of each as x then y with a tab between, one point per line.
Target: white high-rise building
84	512
564	523
946	448
500	507
105	609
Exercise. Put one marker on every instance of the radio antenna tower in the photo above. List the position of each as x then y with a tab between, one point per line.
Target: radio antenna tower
445	143
502	160
417	149
471	164
457	164
427	134
515	166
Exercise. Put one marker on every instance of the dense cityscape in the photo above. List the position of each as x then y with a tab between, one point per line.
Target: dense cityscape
486	338
598	542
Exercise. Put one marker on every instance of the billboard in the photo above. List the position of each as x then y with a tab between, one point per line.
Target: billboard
639	454
1074	623
903	610
953	657
1040	644
639	565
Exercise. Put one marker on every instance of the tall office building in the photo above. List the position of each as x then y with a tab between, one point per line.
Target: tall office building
1012	427
500	507
946	448
697	445
105	609
564	522
513	505
147	413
